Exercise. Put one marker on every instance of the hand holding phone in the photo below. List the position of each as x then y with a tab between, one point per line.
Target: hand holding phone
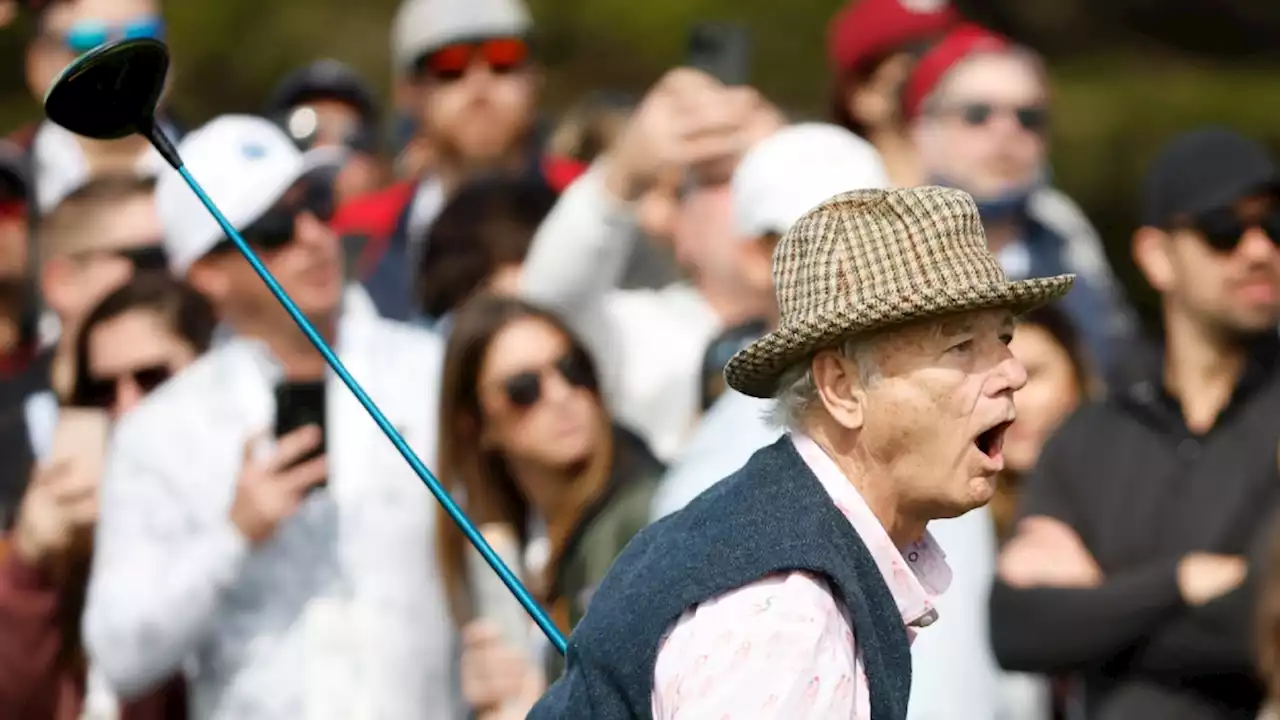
270	490
60	506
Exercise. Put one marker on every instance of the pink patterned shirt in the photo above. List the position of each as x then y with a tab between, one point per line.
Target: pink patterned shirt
782	647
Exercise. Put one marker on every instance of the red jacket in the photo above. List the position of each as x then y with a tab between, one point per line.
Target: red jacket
35	684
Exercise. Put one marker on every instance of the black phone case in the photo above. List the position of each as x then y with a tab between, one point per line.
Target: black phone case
299	404
722	50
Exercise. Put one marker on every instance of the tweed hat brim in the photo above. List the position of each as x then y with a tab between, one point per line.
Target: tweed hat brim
756	369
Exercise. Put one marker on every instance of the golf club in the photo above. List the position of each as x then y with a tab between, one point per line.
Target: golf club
111	92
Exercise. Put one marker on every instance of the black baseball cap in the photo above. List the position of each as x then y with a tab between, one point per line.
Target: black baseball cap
324	80
13	172
1203	170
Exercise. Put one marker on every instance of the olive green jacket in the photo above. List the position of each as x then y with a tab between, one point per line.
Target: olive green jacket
605	529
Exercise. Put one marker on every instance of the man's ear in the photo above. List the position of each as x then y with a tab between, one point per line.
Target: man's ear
1150	248
840	387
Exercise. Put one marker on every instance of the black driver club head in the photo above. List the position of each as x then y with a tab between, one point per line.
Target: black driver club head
111	91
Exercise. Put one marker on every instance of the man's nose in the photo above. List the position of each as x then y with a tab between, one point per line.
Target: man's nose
1255	244
1011	374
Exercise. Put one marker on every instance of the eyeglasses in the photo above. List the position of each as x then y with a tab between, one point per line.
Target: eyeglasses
1032	118
86	35
274	229
524	389
502	55
102	392
1223	229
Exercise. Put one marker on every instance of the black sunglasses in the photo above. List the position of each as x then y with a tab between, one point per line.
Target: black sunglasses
102	392
524	389
1223	229
1033	118
274	229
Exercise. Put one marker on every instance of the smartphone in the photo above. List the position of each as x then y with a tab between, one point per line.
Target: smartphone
722	50
299	404
80	437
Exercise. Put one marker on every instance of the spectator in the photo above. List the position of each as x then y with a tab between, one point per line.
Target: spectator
150	327
1128	566
281	580
136	339
328	104
871	47
589	130
63	161
1059	380
528	445
90	244
651	342
978	110
17	312
778	180
479	242
467	70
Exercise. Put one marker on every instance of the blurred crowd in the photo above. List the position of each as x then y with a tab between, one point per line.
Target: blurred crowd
199	520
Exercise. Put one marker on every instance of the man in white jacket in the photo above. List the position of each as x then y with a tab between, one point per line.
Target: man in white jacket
284	587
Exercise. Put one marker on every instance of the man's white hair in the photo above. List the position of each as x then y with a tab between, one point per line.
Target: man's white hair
797	394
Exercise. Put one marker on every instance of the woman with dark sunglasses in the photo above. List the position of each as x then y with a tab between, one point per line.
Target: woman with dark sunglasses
136	338
528	447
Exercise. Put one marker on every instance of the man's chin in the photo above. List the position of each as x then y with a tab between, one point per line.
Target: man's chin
980	491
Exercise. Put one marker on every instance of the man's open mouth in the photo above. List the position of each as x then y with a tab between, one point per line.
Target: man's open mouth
991	441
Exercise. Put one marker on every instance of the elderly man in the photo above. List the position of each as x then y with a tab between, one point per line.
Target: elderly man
791	589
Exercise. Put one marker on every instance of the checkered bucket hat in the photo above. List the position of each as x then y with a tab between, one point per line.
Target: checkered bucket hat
871	259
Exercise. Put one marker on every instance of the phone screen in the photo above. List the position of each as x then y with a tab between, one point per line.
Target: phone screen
299	404
81	437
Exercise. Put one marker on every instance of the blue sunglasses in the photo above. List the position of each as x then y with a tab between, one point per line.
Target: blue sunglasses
89	34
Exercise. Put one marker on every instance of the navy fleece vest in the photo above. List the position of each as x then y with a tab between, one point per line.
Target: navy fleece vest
772	516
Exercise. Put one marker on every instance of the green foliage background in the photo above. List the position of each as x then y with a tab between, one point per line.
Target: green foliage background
1112	110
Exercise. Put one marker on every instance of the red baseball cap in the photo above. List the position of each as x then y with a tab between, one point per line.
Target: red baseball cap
866	30
960	43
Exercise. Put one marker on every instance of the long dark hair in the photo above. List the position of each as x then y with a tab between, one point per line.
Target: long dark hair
185	312
481	478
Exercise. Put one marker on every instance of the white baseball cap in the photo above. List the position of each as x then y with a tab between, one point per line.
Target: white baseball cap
245	164
794	170
421	26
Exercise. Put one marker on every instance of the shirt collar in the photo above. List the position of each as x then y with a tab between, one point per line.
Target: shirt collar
916	579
